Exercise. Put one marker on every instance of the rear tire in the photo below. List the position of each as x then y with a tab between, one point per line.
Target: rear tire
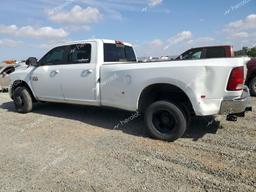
252	86
22	100
165	121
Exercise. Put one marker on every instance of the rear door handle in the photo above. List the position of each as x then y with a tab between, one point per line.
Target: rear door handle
89	71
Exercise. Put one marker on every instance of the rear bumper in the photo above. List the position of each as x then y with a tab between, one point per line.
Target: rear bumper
237	105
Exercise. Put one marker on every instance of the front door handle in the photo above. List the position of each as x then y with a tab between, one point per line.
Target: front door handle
54	73
86	72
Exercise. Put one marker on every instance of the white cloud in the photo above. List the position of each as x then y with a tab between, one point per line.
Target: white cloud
173	46
178	38
240	35
11	29
8	43
156	43
43	32
77	15
78	28
50	45
153	3
33	32
201	41
248	23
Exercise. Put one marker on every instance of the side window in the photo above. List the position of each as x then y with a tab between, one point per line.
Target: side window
193	54
217	52
130	55
196	55
118	53
113	53
54	57
80	53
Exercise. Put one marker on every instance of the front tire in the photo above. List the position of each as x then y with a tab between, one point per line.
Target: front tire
22	100
252	86
165	121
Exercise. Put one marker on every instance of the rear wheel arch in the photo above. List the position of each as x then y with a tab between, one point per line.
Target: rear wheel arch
164	91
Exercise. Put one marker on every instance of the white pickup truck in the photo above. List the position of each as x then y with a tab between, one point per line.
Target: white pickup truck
106	73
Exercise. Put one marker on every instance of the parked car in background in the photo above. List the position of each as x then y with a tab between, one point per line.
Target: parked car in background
106	73
4	77
251	76
207	52
222	52
6	68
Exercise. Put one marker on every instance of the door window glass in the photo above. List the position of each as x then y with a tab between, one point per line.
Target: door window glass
54	57
80	53
193	54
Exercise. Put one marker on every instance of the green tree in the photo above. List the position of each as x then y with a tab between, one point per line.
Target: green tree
252	52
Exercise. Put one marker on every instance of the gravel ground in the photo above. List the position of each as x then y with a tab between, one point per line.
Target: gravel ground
73	148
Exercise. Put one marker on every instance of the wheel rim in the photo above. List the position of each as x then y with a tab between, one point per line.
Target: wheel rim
164	121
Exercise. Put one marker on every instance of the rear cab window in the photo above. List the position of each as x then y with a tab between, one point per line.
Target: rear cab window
118	52
215	52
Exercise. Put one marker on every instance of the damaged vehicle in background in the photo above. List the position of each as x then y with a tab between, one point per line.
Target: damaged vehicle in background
6	68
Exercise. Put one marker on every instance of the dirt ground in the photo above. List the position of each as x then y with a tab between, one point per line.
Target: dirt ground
61	147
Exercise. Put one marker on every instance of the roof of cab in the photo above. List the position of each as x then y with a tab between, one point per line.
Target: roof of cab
96	40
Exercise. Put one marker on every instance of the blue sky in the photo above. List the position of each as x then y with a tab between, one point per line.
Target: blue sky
154	27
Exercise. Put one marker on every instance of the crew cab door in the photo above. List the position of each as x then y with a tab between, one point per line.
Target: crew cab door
79	75
46	78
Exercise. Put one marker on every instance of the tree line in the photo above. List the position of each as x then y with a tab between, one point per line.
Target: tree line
245	51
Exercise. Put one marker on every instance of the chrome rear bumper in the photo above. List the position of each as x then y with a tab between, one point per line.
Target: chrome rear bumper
237	106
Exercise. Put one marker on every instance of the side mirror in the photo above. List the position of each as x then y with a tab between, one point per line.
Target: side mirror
32	61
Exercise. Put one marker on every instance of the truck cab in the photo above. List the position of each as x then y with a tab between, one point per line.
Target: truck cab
70	72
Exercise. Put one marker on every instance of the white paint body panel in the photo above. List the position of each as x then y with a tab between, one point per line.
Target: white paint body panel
121	84
196	78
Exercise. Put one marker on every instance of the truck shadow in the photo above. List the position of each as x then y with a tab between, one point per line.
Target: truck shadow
127	122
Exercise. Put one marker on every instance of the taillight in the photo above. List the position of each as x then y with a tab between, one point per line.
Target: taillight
236	79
